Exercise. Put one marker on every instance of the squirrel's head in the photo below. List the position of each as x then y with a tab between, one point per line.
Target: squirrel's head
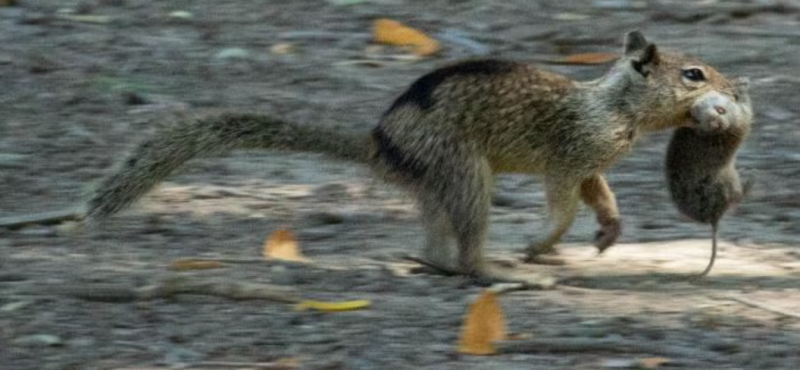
667	83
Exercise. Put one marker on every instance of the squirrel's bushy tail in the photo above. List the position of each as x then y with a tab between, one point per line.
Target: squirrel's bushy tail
156	158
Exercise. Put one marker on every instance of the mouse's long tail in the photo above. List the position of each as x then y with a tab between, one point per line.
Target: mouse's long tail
713	252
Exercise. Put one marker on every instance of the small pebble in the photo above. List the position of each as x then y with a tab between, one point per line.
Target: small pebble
82	342
41	231
39	340
12	160
181	14
232	54
134	98
179	355
14	306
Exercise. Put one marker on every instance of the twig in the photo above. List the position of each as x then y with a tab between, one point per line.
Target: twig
226	191
562	345
44	218
741	31
576	289
276	365
497	276
759	305
746	9
257	260
436	269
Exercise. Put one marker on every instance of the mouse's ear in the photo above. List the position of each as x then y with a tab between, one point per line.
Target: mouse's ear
741	91
643	54
742	84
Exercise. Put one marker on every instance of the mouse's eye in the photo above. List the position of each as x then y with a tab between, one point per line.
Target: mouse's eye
694	74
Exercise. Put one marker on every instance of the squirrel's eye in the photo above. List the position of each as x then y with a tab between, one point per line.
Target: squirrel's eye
694	74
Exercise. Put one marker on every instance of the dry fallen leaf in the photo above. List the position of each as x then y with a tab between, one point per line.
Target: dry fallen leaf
484	324
590	58
570	17
282	48
619	363
282	245
183	265
391	32
652	362
518	336
332	306
288	362
85	18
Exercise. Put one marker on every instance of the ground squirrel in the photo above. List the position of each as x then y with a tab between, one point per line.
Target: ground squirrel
700	164
453	129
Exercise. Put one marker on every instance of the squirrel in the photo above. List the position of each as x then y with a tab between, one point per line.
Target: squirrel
700	163
453	129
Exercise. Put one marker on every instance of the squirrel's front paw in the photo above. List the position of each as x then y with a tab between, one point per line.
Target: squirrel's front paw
607	235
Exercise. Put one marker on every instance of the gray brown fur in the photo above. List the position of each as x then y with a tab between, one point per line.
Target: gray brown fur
446	137
700	164
159	156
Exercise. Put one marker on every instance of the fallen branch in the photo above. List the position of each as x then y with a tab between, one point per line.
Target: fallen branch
759	305
171	287
44	218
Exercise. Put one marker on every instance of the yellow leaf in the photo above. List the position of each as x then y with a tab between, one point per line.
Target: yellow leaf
484	324
183	265
282	245
332	306
590	58
652	362
391	32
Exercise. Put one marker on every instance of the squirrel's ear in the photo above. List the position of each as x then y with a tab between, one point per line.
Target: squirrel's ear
634	41
645	59
643	54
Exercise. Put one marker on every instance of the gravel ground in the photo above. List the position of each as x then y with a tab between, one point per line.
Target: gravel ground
77	94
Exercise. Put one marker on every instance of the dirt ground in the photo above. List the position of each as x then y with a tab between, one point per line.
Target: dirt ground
77	93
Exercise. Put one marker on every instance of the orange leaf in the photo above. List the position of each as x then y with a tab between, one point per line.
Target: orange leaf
590	58
652	362
387	31
183	265
484	324
282	245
